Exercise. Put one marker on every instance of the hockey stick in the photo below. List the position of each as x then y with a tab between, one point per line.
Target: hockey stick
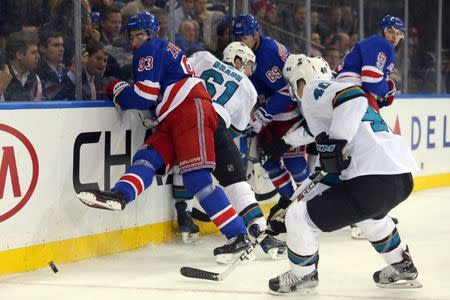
207	275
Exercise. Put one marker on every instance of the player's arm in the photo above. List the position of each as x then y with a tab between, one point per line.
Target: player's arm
349	107
374	71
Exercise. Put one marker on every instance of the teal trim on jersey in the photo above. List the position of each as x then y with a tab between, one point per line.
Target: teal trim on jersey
347	94
302	260
388	244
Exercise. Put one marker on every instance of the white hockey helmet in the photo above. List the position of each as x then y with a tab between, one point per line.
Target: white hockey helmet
300	66
238	49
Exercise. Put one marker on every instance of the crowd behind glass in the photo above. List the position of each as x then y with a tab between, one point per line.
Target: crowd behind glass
37	43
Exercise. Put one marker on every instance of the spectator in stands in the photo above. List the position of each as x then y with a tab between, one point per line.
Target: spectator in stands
187	39
184	12
94	69
341	41
333	24
297	26
110	27
331	55
51	70
259	9
136	6
223	36
349	20
208	22
272	28
23	14
22	83
163	20
88	32
316	45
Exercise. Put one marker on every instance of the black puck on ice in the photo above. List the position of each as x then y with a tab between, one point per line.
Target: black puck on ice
53	266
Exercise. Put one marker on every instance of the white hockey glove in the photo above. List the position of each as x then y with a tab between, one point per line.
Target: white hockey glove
260	119
114	89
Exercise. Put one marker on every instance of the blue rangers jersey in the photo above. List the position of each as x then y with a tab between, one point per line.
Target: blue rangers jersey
268	80
368	64
162	79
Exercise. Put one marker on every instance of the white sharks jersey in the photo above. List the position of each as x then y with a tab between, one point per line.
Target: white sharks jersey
342	110
228	87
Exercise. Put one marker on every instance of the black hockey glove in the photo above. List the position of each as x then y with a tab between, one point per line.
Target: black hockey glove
275	220
275	149
330	154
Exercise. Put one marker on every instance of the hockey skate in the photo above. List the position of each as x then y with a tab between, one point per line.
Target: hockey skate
288	282
270	245
112	200
235	245
399	275
188	229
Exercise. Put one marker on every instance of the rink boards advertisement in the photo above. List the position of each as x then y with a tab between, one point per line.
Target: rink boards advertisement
49	151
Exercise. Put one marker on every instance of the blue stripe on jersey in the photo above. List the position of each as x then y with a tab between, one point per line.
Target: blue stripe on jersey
347	94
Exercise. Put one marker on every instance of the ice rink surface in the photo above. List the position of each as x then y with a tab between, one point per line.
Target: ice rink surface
345	268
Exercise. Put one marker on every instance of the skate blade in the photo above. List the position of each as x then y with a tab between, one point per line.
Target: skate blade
226	259
401	284
298	292
90	200
277	253
189	238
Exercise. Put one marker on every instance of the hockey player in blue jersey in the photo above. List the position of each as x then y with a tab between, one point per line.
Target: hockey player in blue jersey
277	113
370	61
184	135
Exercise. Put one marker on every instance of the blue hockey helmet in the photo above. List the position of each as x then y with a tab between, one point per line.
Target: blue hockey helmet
392	22
145	21
245	25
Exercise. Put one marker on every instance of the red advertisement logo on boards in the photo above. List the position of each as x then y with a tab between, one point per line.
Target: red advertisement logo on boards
19	171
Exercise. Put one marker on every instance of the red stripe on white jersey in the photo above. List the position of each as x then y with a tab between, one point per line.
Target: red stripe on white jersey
371	74
171	100
135	181
224	216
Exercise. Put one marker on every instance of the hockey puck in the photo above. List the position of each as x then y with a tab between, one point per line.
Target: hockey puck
53	266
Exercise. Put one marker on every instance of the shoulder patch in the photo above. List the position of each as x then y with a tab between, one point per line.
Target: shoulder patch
346	94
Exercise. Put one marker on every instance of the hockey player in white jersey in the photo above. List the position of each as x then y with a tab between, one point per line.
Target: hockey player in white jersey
233	97
374	165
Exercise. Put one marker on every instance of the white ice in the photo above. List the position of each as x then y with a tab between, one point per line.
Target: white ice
345	268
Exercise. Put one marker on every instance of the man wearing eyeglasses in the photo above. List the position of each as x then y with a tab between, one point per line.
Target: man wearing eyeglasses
370	61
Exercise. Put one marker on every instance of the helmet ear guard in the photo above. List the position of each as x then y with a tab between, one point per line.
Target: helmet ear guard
145	21
301	67
238	49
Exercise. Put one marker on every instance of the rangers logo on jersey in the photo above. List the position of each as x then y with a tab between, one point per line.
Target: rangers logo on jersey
381	60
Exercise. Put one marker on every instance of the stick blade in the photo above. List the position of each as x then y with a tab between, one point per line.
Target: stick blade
200	274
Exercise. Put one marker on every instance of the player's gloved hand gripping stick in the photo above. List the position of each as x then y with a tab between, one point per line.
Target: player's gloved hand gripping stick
298	195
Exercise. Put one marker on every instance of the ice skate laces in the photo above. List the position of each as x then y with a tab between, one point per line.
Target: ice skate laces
288	278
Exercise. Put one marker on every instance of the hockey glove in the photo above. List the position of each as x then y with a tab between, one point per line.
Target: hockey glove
260	119
275	149
389	97
330	154
114	89
276	217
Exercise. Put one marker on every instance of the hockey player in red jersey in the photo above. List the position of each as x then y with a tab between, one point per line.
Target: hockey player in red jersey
184	135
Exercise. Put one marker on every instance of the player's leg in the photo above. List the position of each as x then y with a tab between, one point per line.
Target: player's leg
382	233
230	174
183	205
130	185
194	147
296	164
